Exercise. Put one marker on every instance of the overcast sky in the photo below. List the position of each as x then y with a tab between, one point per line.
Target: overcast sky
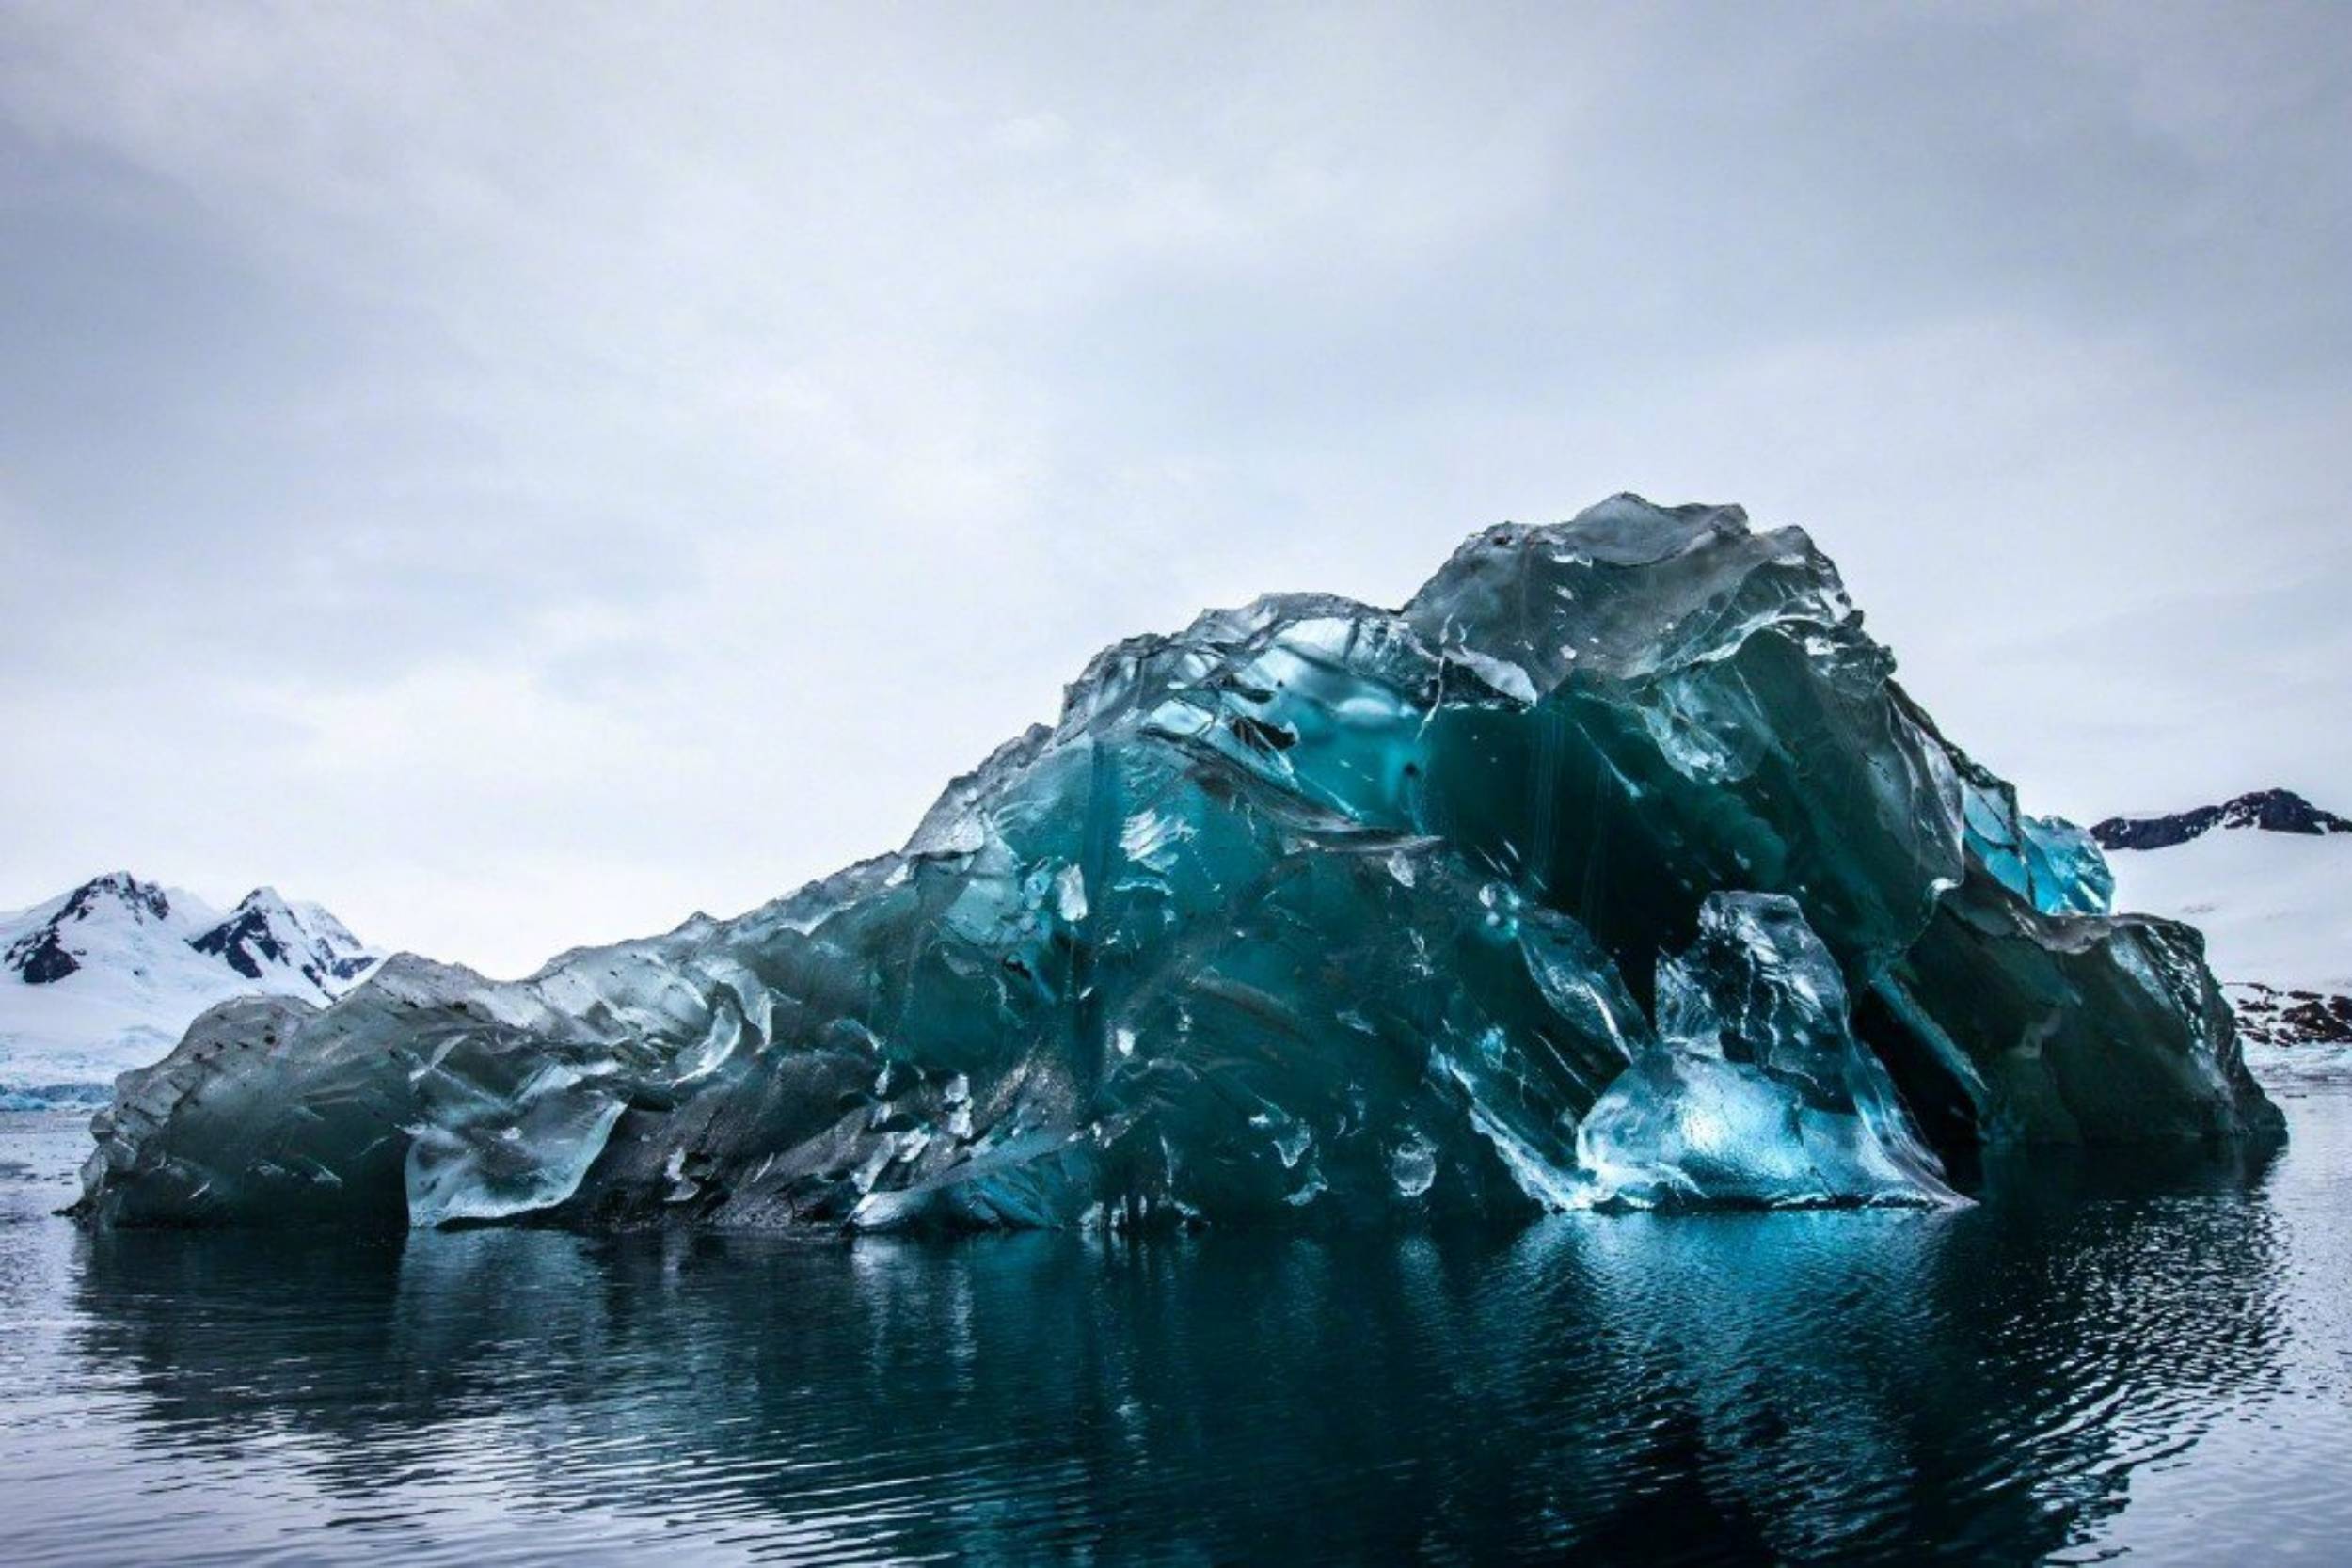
519	475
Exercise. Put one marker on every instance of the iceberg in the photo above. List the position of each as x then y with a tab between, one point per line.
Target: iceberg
1614	868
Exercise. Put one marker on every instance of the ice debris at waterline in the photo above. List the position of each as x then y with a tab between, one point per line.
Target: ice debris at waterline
1615	868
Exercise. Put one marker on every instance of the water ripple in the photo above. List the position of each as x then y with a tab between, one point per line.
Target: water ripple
2092	1362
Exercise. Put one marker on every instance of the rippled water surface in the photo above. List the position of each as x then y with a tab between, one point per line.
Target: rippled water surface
2107	1364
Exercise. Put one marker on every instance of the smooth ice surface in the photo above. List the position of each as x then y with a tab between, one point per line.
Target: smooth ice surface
1309	912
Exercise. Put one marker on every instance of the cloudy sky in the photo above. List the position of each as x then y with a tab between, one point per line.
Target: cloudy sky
521	474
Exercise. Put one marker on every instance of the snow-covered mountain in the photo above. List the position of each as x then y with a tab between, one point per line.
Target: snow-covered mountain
2267	878
108	977
2276	811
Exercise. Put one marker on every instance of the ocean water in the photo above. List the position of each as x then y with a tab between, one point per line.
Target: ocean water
2103	1362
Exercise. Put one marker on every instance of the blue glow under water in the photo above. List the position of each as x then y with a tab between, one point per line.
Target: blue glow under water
2103	1364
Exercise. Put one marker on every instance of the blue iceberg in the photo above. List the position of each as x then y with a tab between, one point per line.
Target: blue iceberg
1614	868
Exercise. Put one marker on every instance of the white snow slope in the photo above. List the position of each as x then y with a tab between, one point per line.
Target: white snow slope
108	977
2276	908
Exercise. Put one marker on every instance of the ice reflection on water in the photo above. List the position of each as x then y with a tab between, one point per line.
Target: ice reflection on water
2004	1382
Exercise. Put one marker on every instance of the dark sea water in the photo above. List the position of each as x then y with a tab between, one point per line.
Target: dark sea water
2101	1363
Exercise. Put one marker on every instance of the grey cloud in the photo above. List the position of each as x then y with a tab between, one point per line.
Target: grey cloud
519	480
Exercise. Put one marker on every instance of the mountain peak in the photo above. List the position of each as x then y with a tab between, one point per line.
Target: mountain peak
2277	811
50	950
2280	811
117	888
108	975
264	930
268	903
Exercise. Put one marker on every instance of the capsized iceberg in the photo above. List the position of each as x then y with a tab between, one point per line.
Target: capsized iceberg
1312	910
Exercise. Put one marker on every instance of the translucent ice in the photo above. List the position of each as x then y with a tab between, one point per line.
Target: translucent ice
2047	861
1757	1091
1310	911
